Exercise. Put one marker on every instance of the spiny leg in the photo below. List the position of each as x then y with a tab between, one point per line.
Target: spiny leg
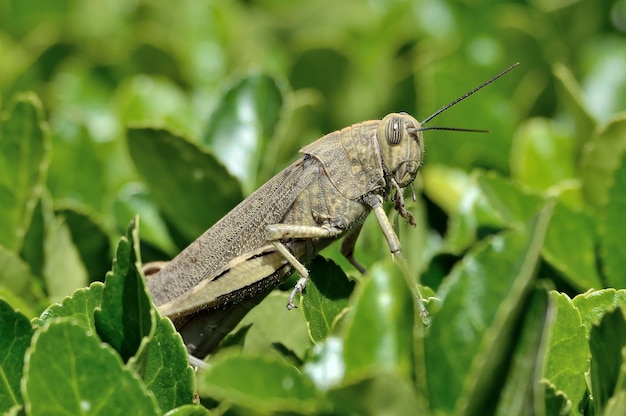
277	232
376	202
304	273
423	312
394	244
347	247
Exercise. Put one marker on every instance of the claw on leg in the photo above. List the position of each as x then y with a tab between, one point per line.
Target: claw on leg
304	273
298	288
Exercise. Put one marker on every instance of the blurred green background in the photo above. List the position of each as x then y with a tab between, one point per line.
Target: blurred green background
177	110
99	67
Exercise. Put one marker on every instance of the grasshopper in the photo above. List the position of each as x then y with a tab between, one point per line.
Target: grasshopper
322	197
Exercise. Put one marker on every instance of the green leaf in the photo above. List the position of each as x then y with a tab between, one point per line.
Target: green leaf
570	247
325	365
482	298
191	187
604	87
15	275
606	342
556	402
33	251
155	100
446	186
90	239
24	154
133	200
69	371
272	322
383	394
19	303
522	379
269	385
63	270
383	319
189	410
163	363
236	337
460	196
15	336
244	121
594	304
126	315
613	230
307	74
567	349
617	403
325	298
79	307
513	204
542	155
571	95
601	158
454	191
78	164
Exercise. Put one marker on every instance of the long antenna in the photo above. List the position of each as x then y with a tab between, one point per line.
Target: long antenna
453	129
484	84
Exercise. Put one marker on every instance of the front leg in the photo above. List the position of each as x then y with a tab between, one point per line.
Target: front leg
277	232
376	203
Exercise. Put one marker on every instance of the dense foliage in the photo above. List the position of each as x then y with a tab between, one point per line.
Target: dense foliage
176	111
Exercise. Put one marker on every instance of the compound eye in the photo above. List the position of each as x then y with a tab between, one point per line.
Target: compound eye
394	131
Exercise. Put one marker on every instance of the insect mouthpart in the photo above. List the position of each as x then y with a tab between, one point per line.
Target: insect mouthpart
406	172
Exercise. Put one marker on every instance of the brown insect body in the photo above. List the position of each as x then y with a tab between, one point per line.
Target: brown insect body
322	197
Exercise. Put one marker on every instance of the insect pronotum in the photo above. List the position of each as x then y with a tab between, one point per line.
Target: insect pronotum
322	197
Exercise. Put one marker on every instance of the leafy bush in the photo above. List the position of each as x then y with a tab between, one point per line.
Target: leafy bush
176	113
